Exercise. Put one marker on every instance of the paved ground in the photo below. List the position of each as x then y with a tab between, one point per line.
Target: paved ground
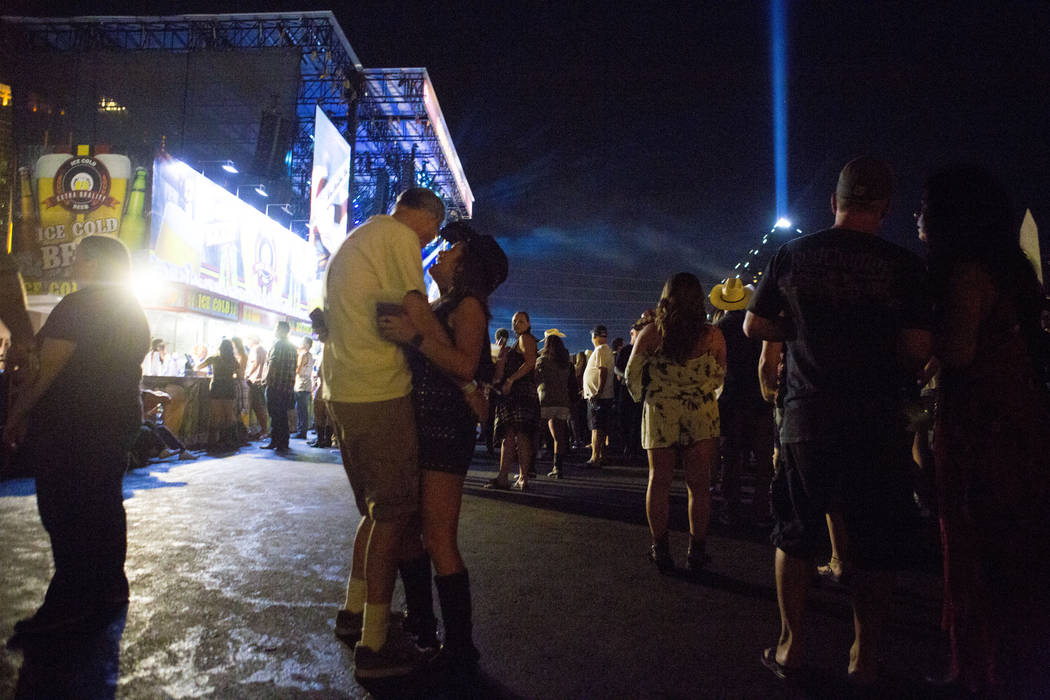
237	563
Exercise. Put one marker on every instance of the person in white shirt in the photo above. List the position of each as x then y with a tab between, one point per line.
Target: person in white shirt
304	384
599	391
367	384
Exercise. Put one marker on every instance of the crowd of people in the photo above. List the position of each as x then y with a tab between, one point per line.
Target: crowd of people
805	381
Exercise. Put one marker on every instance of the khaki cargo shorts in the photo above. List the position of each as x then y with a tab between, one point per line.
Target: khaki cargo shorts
379	449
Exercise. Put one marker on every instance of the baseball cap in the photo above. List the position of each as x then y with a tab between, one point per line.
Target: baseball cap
598	331
865	179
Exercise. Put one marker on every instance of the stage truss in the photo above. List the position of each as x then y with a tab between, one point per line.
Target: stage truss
392	115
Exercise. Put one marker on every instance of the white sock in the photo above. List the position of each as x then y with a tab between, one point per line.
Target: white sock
373	631
355	595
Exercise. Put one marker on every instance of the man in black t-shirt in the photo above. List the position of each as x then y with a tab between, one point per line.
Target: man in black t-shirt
77	421
854	314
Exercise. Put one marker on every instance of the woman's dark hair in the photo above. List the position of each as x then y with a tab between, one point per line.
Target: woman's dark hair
554	349
969	218
226	350
481	270
681	316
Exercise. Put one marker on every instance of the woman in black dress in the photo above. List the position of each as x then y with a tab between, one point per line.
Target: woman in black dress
518	409
449	356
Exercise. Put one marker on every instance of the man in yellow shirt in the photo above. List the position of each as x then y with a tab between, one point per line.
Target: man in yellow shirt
367	384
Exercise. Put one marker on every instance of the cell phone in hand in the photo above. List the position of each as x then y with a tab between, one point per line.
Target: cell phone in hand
317	319
387	308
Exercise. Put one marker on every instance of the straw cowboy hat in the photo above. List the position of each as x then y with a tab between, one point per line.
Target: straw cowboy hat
730	295
553	331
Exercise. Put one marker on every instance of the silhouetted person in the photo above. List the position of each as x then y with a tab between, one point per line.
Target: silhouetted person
91	350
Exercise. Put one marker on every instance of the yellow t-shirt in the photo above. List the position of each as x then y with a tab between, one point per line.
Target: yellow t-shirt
379	261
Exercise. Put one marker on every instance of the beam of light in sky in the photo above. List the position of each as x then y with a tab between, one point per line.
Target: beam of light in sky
778	12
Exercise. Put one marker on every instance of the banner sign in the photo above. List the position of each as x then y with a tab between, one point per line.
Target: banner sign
214	305
64	197
329	184
204	236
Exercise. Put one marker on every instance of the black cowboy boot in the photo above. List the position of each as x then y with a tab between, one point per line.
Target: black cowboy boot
419	598
458	654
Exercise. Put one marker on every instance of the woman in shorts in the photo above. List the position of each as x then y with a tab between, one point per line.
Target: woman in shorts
553	372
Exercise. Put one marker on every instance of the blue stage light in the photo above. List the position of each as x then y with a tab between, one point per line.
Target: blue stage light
778	60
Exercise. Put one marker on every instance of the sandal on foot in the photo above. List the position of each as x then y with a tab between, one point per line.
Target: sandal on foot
497	484
520	485
784	673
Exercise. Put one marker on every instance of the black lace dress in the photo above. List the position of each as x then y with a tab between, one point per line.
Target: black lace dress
444	422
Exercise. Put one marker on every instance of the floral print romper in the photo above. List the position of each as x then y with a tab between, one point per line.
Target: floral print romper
680	400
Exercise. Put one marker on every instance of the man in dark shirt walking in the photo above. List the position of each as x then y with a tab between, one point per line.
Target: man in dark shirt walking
77	421
854	313
280	385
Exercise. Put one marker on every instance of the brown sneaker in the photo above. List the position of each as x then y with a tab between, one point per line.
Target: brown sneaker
399	656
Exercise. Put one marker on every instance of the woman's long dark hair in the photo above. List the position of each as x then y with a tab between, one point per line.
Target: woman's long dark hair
681	316
481	270
969	218
226	351
554	350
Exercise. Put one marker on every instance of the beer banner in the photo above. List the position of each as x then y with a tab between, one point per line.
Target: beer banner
64	197
204	236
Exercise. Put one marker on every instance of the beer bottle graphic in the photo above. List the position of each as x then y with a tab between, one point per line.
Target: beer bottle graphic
27	228
133	229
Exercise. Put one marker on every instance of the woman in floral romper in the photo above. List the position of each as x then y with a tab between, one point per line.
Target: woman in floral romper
676	369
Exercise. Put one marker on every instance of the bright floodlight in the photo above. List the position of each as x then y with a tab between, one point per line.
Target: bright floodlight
262	193
229	167
782	223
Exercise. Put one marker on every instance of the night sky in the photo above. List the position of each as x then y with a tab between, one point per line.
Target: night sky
608	148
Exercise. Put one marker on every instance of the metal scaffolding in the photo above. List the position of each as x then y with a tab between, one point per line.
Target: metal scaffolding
402	140
399	134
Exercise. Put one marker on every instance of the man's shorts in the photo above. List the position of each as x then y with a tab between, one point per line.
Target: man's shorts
378	444
866	479
554	412
600	414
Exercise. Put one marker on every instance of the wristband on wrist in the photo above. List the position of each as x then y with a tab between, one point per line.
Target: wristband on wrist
469	388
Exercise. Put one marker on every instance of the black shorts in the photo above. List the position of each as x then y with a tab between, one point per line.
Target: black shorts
867	479
600	414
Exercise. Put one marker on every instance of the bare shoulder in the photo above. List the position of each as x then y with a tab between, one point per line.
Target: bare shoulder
469	310
527	341
710	341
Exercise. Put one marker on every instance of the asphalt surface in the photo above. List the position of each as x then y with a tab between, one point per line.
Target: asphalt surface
237	565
